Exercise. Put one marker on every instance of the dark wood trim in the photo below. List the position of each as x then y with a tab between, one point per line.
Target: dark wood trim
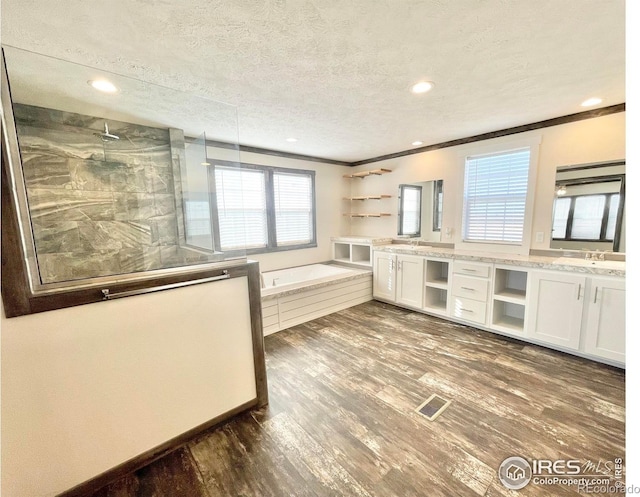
14	283
556	121
276	153
255	307
94	484
618	234
591	165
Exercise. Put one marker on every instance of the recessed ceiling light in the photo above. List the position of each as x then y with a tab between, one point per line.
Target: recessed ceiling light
591	101
205	164
292	140
416	143
103	85
422	87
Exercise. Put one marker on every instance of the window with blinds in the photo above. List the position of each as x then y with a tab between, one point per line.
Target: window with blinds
262	209
586	217
293	207
411	204
495	197
242	208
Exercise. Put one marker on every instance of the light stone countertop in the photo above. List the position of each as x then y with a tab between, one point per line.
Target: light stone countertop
366	240
606	268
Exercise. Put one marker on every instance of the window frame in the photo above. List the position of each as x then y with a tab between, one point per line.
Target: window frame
438	190
268	172
502	146
603	222
401	232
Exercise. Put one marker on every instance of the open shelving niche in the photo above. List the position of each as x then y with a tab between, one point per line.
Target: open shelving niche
362	175
436	291
509	299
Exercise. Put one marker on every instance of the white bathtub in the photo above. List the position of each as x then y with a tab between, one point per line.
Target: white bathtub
297	277
300	294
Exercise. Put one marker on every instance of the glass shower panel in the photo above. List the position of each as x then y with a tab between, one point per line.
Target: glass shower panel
197	197
111	183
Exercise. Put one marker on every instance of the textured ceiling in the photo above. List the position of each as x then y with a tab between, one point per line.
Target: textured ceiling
336	75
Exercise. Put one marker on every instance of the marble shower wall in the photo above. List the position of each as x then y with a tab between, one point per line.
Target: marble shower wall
98	208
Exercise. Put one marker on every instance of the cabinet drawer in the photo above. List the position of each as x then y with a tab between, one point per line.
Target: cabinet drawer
471	268
471	288
469	310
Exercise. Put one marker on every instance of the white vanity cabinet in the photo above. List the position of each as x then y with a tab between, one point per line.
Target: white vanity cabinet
576	312
580	313
384	276
410	280
470	291
398	278
555	308
604	329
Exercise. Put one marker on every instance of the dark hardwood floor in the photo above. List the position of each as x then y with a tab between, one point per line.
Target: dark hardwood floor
341	420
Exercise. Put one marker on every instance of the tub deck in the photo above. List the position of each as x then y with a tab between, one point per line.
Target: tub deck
300	302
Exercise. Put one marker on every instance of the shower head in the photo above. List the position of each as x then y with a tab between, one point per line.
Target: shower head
106	136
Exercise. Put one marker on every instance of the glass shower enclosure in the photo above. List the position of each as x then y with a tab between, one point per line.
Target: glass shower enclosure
111	174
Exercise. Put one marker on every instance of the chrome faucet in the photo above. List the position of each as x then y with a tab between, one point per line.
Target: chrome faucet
273	283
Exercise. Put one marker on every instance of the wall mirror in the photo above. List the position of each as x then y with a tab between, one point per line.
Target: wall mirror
588	208
420	210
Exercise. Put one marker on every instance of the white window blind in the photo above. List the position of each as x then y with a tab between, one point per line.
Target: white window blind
198	219
613	217
242	212
411	203
587	217
293	199
561	208
495	196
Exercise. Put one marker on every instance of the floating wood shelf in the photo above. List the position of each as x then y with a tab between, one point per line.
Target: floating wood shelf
368	197
363	214
364	174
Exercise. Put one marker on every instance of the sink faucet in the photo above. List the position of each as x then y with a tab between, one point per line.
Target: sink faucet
273	283
414	241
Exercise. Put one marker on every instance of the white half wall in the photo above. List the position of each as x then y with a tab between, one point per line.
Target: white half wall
87	388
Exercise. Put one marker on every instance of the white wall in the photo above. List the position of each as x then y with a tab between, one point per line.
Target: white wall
331	188
591	140
89	387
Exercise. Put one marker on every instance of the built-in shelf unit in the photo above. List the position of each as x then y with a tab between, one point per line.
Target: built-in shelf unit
364	174
509	299
355	250
367	214
368	197
436	291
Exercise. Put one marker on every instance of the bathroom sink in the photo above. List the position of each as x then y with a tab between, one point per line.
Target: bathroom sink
570	261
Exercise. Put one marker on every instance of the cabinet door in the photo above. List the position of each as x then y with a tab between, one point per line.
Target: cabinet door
605	326
384	276
410	280
556	303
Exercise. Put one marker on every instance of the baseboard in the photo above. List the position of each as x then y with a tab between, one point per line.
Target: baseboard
94	484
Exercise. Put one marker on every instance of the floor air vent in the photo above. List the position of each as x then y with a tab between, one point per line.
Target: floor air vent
433	407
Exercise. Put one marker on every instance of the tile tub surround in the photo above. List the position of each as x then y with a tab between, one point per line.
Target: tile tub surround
605	268
98	208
